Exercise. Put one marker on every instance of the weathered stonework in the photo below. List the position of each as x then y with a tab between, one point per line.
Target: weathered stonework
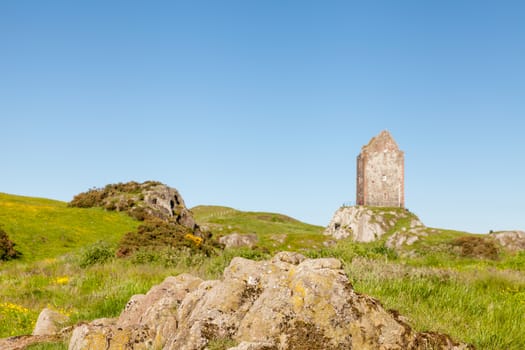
381	173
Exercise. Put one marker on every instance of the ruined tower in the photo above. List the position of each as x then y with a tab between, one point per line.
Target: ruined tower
381	173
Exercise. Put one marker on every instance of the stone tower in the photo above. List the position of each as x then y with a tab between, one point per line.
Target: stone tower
381	173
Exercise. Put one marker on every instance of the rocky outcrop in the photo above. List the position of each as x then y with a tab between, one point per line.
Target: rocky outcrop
364	224
140	200
289	302
512	241
236	240
166	222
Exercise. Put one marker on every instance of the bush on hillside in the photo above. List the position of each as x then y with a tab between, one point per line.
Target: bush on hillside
96	197
7	247
99	253
157	233
157	230
89	199
476	247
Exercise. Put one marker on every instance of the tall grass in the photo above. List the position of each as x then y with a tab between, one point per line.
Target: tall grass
474	300
483	307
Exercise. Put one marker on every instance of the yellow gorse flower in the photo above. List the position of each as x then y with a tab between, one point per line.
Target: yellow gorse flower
62	280
194	239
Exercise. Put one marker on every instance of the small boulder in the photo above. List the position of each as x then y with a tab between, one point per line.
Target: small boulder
49	322
236	240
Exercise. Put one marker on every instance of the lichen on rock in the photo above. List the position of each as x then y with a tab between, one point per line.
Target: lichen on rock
286	303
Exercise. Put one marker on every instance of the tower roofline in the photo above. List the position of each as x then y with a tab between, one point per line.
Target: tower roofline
383	141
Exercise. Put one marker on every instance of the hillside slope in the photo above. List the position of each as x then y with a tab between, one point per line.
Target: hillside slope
443	281
275	231
45	228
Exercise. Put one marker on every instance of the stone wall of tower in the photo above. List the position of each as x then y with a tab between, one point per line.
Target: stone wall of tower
380	173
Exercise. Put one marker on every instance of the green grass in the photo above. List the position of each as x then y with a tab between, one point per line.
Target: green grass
101	290
276	232
474	300
483	307
48	346
43	228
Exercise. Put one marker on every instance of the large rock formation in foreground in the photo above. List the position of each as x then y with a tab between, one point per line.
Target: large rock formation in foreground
289	303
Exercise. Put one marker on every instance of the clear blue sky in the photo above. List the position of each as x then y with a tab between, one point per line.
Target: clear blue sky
264	105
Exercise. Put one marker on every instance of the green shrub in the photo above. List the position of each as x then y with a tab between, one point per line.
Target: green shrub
155	233
7	247
148	256
476	247
97	197
383	250
89	199
98	253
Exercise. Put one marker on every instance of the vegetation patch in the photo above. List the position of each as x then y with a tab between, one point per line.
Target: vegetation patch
473	298
98	253
45	229
161	227
476	247
7	247
48	346
275	232
221	344
118	196
157	233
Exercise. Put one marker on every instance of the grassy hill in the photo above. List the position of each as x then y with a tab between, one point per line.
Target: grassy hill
44	228
481	301
276	232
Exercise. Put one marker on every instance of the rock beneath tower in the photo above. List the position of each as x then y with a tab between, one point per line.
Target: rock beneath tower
365	224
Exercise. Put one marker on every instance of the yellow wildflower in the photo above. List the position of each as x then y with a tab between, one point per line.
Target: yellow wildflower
194	239
62	280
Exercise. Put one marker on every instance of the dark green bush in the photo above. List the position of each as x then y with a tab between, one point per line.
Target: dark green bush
96	197
89	199
7	247
155	233
98	253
